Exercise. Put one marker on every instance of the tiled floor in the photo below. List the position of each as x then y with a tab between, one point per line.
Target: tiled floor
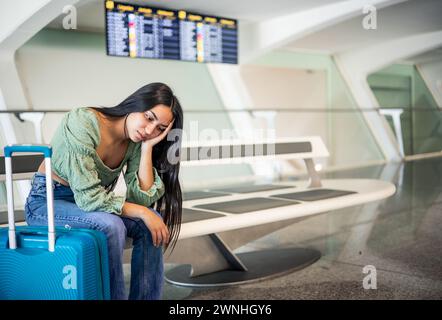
400	237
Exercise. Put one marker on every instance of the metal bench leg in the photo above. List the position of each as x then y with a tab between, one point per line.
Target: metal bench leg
210	261
315	180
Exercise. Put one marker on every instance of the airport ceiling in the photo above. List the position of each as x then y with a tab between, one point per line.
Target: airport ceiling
394	21
399	20
91	12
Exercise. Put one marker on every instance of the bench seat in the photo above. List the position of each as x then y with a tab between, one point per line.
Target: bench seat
363	191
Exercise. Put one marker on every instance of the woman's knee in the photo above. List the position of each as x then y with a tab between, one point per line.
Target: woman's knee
112	225
139	231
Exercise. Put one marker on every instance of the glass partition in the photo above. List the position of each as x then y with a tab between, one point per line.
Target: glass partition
401	88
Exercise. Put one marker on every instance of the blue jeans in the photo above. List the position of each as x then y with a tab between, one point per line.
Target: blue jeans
147	260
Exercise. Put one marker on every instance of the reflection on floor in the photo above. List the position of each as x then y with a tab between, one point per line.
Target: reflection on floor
400	237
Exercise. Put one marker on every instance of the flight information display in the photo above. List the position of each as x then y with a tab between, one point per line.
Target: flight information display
147	32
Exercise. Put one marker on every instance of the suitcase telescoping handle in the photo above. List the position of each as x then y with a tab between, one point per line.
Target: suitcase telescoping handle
47	151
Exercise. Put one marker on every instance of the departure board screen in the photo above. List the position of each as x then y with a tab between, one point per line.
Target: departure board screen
147	32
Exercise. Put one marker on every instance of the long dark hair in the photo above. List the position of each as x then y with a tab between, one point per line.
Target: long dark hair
145	98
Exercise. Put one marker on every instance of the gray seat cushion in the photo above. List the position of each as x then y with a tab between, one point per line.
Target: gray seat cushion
246	205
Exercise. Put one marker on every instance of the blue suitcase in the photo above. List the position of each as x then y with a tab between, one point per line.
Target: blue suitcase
50	263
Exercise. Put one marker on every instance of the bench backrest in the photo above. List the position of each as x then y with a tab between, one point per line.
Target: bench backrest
211	152
23	165
220	152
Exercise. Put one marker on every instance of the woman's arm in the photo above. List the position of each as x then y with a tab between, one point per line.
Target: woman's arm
154	223
145	172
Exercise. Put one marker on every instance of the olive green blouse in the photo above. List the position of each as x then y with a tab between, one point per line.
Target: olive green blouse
75	160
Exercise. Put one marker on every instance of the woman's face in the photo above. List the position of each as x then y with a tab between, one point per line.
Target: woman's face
149	124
